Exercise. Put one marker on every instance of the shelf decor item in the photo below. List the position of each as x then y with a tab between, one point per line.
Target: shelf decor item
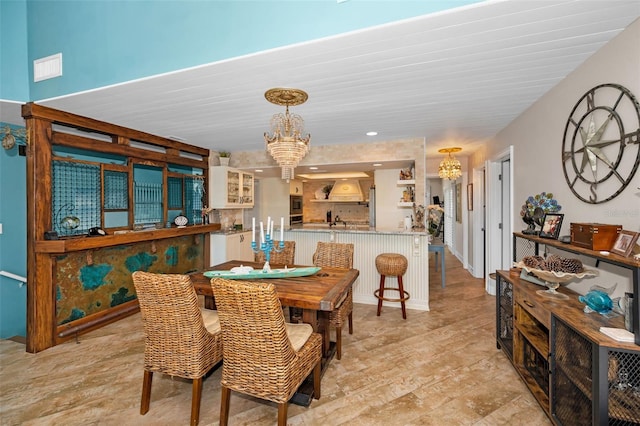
625	243
554	279
534	209
225	157
551	225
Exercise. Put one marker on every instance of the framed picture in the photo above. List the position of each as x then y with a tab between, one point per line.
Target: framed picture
551	225
470	196
624	243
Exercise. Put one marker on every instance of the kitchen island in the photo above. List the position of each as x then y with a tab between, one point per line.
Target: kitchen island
368	243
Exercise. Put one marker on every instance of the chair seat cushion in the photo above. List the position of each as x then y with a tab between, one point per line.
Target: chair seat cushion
211	321
298	334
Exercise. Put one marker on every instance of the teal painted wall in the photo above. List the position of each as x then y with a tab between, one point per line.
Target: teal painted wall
13	240
14	74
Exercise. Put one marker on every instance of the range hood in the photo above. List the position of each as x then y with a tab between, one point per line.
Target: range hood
346	190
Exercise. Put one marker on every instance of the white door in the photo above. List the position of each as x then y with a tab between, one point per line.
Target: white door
499	216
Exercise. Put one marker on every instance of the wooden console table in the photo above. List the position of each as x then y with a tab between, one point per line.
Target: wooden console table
578	374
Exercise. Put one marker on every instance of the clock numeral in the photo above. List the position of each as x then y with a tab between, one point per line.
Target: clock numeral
593	197
633	137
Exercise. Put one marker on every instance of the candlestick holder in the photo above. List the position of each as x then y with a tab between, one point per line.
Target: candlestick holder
266	247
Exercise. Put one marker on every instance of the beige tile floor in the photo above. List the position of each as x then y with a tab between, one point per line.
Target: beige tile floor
436	368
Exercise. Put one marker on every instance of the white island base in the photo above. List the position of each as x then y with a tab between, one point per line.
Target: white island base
367	245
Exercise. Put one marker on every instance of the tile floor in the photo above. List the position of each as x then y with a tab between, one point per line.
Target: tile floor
436	368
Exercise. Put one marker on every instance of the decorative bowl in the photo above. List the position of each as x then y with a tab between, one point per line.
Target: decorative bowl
554	279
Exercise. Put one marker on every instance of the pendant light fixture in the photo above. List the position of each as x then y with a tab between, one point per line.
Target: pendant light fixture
450	168
286	144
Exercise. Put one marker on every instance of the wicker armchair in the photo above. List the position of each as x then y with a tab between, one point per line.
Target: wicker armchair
285	257
263	356
177	342
336	255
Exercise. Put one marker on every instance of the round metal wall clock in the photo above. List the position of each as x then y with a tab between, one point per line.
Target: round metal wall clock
601	146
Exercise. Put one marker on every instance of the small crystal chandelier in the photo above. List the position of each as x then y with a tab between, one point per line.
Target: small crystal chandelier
287	145
450	167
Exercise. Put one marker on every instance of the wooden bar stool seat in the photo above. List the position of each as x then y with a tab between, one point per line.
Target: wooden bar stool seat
394	265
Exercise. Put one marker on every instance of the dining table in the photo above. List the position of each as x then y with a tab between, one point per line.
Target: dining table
317	295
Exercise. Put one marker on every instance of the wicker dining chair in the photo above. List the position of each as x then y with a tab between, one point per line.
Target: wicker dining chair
181	339
285	257
337	255
264	357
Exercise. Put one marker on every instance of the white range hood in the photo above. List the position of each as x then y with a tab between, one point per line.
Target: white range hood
346	190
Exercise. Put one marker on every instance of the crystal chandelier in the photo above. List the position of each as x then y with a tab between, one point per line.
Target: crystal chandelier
286	144
450	167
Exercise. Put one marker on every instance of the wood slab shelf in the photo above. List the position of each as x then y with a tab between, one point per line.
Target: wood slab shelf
88	243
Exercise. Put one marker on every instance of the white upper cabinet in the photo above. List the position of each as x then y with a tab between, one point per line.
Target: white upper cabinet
230	188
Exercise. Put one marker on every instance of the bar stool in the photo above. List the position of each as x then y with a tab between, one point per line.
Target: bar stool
391	264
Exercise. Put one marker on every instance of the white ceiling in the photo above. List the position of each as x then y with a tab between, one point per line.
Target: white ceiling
455	78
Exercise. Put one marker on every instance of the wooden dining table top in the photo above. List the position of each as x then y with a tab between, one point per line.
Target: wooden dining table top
321	291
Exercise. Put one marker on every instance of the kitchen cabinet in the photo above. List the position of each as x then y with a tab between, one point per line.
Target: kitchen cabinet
295	187
577	374
230	188
236	246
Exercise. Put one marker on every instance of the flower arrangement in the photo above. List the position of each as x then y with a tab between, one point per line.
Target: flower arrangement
224	154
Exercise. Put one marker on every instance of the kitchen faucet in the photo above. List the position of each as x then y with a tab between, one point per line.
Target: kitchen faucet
336	221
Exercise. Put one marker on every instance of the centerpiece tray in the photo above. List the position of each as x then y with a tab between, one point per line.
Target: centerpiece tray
260	274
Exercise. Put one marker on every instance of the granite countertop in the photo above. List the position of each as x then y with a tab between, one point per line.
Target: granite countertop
353	228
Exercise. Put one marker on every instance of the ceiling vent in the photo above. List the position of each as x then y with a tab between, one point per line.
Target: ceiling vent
346	190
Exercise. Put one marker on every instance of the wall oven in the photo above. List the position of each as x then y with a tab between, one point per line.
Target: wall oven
295	205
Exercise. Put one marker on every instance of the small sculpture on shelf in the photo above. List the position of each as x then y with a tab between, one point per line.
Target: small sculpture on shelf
406	174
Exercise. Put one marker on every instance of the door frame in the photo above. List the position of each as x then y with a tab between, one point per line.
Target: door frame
478	223
495	251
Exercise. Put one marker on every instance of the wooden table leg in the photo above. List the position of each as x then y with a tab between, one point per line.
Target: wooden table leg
319	320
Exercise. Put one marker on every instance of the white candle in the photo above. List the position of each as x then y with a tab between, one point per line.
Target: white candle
281	228
271	229
268	223
261	232
253	230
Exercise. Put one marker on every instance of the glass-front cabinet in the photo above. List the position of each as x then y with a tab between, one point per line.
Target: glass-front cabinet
230	188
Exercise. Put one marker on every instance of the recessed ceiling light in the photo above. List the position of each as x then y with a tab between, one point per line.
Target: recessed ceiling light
313	168
259	170
372	133
377	164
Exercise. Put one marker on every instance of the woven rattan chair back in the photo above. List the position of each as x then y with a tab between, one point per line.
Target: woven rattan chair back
337	255
285	257
259	359
333	255
176	340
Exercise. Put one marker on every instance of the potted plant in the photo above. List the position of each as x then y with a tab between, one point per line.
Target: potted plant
327	190
224	156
